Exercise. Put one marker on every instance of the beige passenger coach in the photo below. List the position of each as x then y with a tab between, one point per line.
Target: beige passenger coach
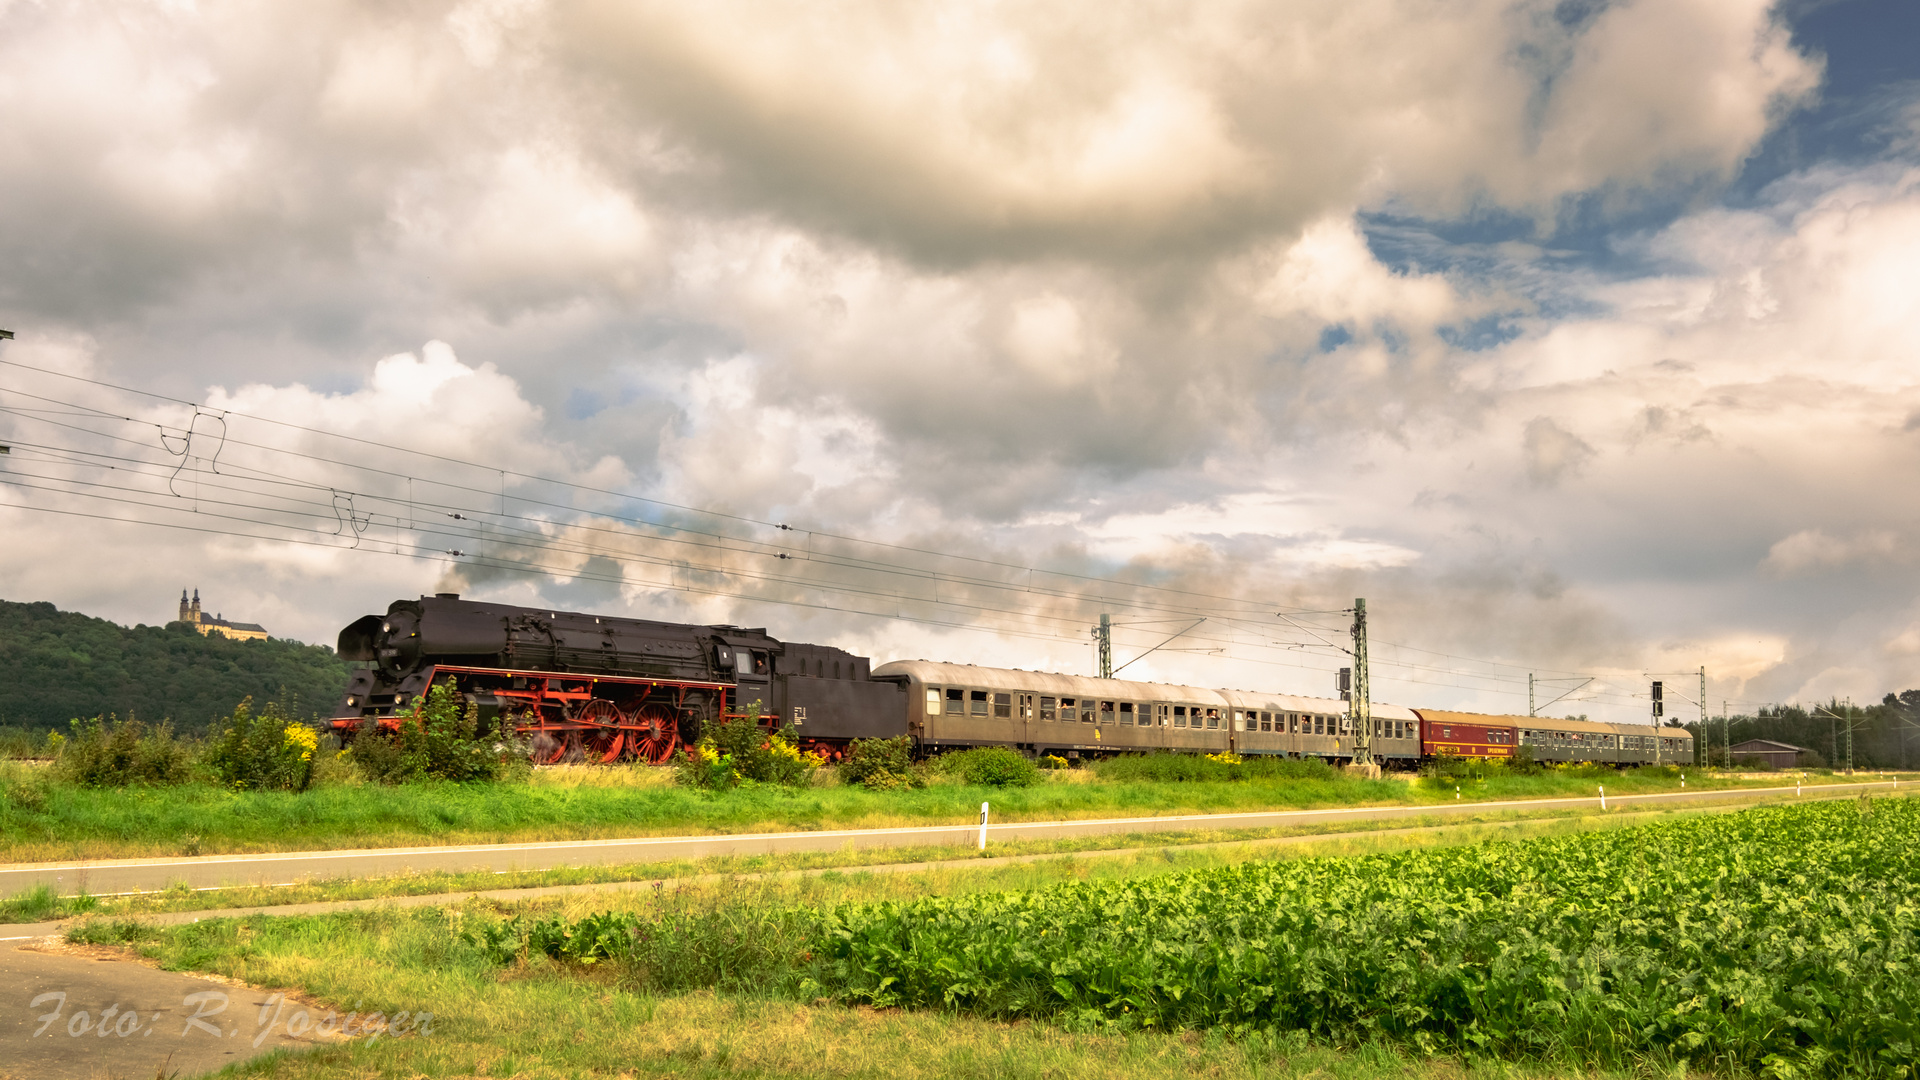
1040	712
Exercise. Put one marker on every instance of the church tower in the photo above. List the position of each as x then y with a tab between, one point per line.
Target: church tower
195	617
185	612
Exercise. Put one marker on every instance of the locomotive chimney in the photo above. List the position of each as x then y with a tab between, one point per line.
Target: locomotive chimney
446	596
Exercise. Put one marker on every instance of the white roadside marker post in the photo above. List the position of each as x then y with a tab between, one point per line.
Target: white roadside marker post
1603	796
983	826
1456	793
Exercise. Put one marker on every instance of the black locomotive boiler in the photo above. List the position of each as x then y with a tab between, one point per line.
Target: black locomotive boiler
585	687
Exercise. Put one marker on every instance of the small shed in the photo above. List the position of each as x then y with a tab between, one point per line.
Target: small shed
1774	755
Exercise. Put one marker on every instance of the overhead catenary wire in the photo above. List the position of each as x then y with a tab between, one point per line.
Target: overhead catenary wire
524	532
717	514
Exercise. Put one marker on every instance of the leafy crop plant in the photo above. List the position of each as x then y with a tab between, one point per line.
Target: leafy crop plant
1783	941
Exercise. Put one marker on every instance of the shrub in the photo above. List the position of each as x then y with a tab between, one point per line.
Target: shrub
1167	767
881	764
738	749
334	765
1523	763
18	742
22	788
992	766
264	751
384	757
437	741
1163	768
117	753
1449	769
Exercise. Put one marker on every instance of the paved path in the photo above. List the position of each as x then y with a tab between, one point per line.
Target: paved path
111	876
67	1015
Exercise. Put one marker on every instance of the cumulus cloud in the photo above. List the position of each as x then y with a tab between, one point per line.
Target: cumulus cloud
1090	287
1812	550
1109	131
1552	452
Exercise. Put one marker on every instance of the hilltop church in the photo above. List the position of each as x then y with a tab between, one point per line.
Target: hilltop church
191	614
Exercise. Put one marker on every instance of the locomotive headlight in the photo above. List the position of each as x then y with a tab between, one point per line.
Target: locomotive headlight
386	628
352	701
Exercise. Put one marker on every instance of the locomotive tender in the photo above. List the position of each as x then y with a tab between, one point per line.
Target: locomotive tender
600	688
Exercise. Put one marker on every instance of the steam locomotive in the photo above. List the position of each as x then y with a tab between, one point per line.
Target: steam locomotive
584	687
596	688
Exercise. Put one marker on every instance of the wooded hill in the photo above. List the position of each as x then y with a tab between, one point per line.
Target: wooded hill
57	665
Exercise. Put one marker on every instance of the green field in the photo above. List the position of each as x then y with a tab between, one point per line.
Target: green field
41	820
1783	939
1779	941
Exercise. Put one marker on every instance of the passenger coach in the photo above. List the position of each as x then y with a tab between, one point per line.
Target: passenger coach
1561	741
959	705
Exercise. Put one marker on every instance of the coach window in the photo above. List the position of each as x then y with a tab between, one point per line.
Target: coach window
1106	712
1003	706
1213	718
933	701
1086	710
1126	713
1179	716
1047	705
956	702
977	699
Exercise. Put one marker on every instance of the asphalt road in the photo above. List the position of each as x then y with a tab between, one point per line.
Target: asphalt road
110	876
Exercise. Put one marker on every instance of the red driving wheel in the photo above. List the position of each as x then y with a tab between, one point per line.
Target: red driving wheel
602	736
655	732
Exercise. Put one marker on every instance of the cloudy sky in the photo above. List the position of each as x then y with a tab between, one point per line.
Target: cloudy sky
1578	337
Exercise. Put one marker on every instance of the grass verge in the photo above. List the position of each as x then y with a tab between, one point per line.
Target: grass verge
1015	865
42	821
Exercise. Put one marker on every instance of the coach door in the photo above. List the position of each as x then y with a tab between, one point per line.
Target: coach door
1024	703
